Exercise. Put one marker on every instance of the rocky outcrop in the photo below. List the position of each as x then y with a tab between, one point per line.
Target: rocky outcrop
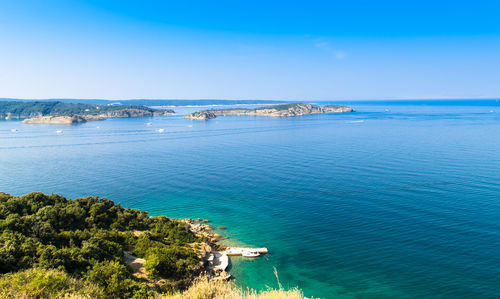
135	112
62	120
285	110
336	109
201	115
76	119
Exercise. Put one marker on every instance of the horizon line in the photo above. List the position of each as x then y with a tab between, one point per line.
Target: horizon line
218	99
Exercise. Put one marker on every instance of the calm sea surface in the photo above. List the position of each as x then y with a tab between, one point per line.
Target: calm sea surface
395	200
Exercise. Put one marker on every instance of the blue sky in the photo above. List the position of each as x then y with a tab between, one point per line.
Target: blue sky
295	50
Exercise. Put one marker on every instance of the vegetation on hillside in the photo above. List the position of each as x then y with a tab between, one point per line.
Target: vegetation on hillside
204	288
280	107
53	247
41	283
43	108
83	242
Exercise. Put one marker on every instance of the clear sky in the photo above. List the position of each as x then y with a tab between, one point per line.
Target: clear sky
295	50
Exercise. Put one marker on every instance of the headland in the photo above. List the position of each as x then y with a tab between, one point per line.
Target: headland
45	112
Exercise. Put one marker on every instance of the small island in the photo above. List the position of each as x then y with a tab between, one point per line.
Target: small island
45	112
283	110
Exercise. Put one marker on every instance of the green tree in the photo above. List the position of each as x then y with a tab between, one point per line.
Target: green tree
114	279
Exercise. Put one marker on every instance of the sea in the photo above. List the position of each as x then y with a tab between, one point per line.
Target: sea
399	199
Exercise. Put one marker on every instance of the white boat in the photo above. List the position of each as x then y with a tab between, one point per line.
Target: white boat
160	130
250	254
13	130
149	124
59	131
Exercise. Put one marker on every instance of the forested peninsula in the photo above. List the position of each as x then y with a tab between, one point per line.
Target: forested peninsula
90	247
70	113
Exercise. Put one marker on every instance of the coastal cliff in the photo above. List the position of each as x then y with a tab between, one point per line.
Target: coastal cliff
201	115
76	119
284	110
62	120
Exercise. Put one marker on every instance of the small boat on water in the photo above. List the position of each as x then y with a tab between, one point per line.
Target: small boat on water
149	124
161	130
13	130
250	254
59	131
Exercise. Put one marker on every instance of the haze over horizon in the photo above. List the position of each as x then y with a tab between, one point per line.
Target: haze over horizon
293	50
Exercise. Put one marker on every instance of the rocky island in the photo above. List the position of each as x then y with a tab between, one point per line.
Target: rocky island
283	110
69	113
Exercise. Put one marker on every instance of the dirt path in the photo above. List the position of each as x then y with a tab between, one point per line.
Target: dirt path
136	264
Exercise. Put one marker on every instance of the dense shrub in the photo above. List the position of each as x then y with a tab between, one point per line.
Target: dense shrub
42	283
85	238
115	279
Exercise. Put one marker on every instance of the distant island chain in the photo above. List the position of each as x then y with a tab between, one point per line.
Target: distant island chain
56	112
44	112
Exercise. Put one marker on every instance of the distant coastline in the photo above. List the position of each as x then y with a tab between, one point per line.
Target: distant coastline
151	102
69	113
215	105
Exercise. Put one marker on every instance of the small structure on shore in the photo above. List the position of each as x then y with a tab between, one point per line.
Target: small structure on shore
216	255
248	252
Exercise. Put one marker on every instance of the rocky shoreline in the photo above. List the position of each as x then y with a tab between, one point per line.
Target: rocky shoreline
284	110
210	251
214	256
62	120
55	112
77	119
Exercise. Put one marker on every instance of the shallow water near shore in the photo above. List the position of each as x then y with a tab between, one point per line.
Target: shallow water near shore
394	200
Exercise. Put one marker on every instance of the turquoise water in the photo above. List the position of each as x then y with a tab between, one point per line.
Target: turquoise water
394	200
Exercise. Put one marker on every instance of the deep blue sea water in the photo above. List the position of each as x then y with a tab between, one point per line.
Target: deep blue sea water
396	200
